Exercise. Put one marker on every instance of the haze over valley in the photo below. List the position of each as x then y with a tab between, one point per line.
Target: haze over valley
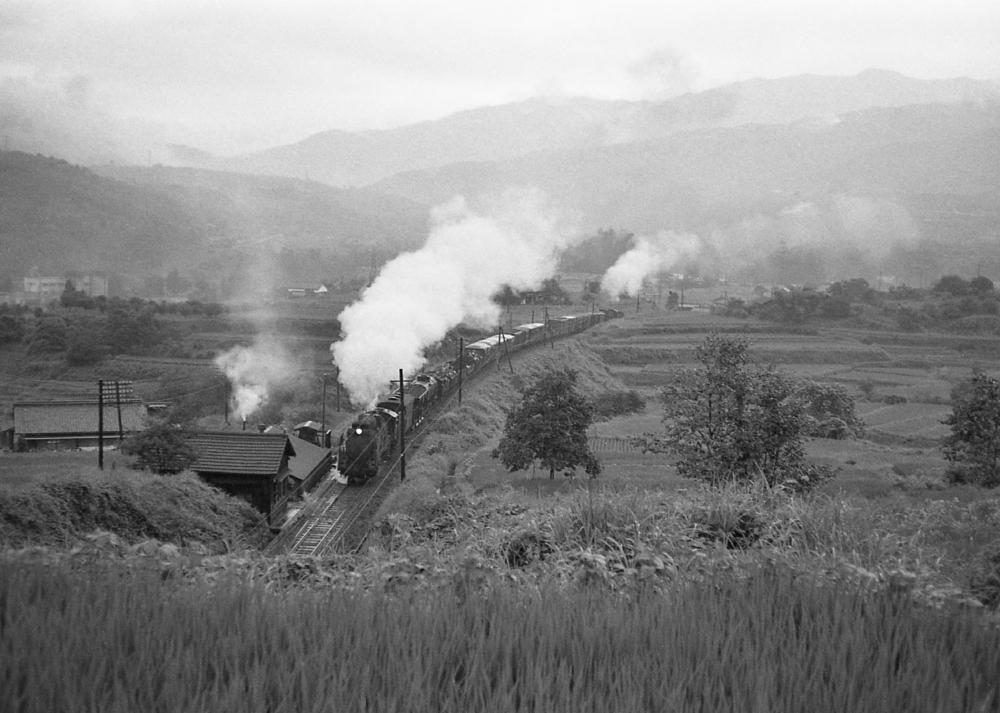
803	180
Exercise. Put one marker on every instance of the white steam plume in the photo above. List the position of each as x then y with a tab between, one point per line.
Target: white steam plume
420	295
649	256
254	371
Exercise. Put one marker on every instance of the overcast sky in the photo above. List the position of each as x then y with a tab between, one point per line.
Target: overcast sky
227	75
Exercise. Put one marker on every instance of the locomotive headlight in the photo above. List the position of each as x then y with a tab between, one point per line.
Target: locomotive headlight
358	431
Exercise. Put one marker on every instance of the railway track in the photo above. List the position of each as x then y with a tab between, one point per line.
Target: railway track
327	521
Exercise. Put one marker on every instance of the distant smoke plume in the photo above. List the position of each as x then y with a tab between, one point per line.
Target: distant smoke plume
664	73
254	372
831	238
420	295
649	256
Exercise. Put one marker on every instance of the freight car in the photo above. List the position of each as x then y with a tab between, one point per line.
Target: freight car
374	435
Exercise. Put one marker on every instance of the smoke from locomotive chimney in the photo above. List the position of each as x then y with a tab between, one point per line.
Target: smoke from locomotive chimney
650	255
253	371
420	295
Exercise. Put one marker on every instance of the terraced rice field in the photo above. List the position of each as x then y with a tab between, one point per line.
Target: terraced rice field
907	420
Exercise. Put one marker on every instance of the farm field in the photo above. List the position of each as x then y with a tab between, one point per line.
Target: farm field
902	394
887	539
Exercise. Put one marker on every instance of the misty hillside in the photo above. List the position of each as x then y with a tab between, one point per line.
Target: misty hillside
682	180
137	221
865	182
508	131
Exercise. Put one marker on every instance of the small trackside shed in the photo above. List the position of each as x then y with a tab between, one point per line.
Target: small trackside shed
251	466
309	465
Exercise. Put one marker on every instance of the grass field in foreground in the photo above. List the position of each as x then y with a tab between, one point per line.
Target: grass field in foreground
763	643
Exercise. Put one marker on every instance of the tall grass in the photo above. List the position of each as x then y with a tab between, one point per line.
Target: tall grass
767	642
65	505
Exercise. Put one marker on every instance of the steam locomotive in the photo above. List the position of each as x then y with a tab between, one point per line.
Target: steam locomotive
374	435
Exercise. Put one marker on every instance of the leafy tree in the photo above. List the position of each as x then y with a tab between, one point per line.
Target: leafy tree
506	297
853	291
133	329
798	306
981	285
12	326
84	346
549	425
732	421
162	448
952	285
974	442
553	293
48	335
597	253
72	297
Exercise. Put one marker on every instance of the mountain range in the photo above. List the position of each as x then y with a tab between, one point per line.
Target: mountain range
505	132
801	179
135	222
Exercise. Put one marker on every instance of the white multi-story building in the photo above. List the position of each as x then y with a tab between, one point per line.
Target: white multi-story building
39	289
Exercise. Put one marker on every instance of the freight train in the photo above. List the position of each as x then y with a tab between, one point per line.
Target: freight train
374	435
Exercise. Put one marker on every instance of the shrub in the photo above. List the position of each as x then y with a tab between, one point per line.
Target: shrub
831	411
973	445
162	448
617	403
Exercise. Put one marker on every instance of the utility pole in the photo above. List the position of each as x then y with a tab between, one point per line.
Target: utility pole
118	403
506	350
100	424
402	430
322	418
461	366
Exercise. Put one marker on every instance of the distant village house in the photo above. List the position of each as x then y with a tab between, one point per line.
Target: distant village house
306	289
56	425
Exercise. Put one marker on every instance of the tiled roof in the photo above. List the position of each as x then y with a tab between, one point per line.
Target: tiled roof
239	452
308	457
55	418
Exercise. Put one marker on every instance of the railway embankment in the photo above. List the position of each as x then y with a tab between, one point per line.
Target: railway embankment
457	435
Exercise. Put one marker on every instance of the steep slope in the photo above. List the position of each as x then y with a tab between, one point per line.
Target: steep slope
62	217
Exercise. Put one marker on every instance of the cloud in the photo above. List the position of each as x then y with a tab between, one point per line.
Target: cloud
228	73
663	73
